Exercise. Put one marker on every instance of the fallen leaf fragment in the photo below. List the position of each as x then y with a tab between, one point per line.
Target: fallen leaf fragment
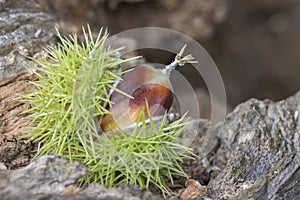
193	190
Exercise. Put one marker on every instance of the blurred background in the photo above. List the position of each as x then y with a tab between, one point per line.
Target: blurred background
255	44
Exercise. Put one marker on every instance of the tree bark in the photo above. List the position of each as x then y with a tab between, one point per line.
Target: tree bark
25	30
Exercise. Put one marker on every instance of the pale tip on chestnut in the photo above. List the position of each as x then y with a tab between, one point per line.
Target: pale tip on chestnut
179	60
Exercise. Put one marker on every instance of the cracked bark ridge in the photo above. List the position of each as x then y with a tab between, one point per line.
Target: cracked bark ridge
260	139
25	29
54	177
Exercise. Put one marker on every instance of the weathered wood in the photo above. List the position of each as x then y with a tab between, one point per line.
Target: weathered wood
25	31
260	142
53	177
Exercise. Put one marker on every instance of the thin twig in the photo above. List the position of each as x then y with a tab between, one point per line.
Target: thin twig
179	60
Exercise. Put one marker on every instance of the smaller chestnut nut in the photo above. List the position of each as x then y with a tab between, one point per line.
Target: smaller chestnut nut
148	88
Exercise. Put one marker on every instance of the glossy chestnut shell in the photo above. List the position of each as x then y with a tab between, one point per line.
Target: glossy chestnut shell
146	85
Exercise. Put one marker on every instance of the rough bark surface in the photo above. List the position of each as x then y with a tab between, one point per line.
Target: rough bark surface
24	30
53	177
260	141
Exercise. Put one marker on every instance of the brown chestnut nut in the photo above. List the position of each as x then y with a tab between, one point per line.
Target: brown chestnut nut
147	86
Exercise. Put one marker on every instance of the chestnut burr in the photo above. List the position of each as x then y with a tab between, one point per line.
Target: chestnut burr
149	91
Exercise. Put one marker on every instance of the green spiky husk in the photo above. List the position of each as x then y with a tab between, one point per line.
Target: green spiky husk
72	90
